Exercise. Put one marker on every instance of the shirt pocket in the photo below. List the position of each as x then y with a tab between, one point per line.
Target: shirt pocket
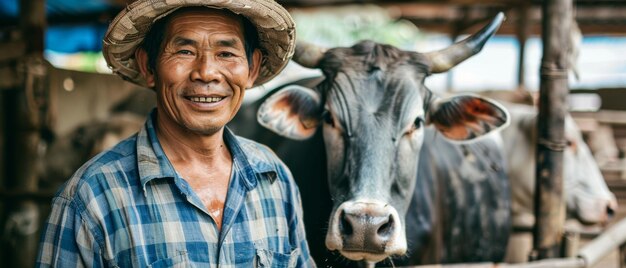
267	258
178	261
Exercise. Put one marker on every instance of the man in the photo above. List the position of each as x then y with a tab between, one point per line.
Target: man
185	191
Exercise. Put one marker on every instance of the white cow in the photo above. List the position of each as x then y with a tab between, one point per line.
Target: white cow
587	196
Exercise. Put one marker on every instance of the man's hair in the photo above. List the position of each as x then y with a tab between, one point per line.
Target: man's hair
153	42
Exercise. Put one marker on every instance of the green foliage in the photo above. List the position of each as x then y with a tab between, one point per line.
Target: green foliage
81	61
348	25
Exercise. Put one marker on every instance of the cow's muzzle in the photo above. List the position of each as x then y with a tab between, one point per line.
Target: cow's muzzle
366	230
595	210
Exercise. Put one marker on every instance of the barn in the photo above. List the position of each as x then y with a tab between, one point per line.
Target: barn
46	106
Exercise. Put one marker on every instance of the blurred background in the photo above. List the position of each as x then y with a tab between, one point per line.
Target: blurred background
61	105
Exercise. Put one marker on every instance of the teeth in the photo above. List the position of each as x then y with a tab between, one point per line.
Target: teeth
203	99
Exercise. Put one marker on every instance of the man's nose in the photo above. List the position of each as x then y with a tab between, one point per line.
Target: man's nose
205	70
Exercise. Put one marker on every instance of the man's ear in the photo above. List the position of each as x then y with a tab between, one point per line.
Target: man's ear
293	112
466	117
141	56
255	68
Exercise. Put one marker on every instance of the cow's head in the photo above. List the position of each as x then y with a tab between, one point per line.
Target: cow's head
373	107
586	193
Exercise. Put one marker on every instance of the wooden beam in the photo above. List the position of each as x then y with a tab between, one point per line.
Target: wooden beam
22	195
9	78
549	204
309	3
596	20
12	50
594	17
33	24
27	108
602	246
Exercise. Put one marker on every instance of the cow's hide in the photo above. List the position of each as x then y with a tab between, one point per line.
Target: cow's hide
460	211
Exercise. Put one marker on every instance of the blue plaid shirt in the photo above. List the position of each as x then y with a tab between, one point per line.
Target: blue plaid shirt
128	207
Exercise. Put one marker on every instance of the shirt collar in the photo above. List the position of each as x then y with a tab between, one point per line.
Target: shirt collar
247	157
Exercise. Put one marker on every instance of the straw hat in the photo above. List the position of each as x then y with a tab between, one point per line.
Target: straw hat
276	30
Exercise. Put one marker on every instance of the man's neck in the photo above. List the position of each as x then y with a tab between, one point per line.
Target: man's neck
203	160
182	145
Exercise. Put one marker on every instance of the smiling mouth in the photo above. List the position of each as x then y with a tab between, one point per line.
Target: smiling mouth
205	99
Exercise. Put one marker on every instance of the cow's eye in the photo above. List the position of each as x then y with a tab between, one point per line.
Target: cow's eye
328	118
572	145
418	123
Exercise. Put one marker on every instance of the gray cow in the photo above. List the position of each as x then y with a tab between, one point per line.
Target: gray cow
373	108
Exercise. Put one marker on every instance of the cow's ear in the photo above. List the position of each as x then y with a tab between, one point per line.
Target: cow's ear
293	112
466	117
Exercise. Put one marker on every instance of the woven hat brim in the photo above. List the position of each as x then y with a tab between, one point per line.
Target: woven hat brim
276	31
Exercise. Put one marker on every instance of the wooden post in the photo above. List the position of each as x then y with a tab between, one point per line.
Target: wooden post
549	205
571	244
522	36
622	256
3	164
26	110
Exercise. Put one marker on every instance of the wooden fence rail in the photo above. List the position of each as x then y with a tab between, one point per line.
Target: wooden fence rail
614	238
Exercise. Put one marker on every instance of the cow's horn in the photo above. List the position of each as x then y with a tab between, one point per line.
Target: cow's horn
443	60
308	55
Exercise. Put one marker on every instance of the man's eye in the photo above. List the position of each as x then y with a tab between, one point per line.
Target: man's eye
184	52
226	54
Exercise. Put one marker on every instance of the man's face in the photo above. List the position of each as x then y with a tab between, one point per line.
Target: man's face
202	71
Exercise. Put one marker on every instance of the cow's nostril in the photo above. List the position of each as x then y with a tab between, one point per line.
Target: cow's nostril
366	227
610	212
386	228
344	225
